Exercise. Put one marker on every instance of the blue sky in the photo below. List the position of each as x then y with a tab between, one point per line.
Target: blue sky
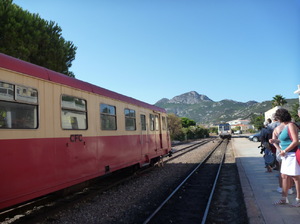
153	49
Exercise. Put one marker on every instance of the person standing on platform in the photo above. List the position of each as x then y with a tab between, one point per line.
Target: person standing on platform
274	123
275	135
269	153
269	149
288	140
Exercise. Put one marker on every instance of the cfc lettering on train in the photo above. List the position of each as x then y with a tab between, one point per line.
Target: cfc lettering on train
75	138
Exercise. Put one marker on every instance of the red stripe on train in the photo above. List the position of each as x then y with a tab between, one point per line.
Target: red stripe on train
33	167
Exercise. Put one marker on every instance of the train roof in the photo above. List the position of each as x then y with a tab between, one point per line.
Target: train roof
33	70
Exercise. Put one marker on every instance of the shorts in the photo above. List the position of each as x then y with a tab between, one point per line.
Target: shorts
289	165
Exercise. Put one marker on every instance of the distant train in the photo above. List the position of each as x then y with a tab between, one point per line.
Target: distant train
57	131
224	131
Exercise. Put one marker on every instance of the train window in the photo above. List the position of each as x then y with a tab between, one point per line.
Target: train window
18	116
26	94
6	91
73	103
73	113
14	113
156	123
152	122
164	123
143	122
130	124
108	117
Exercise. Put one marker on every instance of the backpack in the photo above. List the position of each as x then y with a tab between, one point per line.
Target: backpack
265	135
266	147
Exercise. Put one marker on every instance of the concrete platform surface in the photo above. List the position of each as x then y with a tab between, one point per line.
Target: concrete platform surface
260	188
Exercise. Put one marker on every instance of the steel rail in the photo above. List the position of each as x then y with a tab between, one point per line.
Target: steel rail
213	190
182	151
180	185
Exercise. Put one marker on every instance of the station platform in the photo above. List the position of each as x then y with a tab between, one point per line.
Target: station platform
260	188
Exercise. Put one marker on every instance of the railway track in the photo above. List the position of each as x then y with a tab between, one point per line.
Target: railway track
190	201
183	149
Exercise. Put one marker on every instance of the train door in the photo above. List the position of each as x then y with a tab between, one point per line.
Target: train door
144	135
78	159
158	133
164	135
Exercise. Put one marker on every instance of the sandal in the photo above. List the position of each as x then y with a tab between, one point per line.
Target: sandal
269	169
296	204
282	201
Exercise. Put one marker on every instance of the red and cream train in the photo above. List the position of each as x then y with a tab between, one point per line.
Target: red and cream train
56	131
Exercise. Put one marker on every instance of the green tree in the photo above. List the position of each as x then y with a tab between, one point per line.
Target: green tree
213	130
294	112
175	126
190	132
186	122
201	132
258	121
278	100
181	133
195	132
28	37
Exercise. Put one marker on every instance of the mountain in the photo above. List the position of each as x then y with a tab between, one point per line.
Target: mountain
190	98
203	110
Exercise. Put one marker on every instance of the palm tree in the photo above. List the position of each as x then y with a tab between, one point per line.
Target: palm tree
294	112
278	100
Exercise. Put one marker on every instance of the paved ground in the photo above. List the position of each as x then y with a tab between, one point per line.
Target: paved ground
259	187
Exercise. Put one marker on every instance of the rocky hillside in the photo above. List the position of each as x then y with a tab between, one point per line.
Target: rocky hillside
203	110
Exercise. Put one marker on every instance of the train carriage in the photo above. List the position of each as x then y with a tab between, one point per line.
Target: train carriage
56	131
224	131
